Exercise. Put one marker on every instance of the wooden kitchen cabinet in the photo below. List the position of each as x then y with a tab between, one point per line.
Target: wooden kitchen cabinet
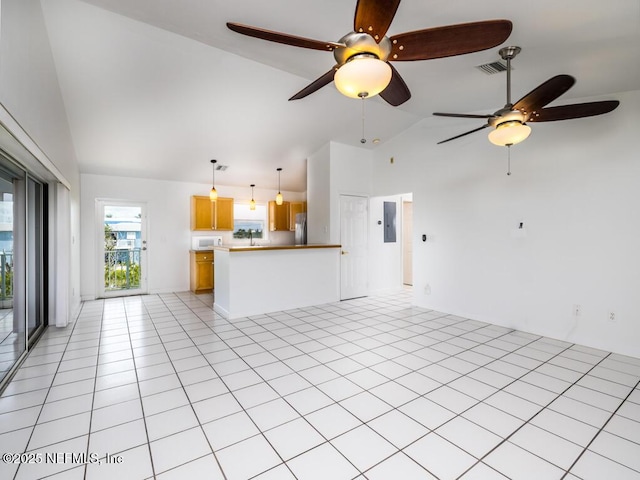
223	208
208	215
294	209
278	216
201	271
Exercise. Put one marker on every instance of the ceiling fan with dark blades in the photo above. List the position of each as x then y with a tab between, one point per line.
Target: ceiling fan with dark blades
510	122
362	57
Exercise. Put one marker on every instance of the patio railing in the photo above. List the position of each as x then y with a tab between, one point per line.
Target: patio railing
122	269
6	275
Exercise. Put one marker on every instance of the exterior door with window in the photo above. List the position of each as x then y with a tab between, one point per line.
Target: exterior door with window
354	240
122	234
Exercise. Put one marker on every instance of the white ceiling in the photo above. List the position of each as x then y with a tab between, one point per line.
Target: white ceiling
157	88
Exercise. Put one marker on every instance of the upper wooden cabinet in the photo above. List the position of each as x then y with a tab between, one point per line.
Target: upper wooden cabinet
283	217
208	215
295	208
279	217
223	208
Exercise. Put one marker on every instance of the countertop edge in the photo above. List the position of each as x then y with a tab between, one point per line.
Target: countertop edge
261	248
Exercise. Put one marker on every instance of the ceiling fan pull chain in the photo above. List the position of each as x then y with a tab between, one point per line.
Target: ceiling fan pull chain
508	159
362	96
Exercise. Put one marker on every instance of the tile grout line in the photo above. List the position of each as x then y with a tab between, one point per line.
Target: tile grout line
44	401
527	422
135	369
283	462
340	375
183	389
599	432
519	347
346	321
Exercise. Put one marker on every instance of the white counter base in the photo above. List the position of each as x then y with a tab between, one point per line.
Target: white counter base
258	281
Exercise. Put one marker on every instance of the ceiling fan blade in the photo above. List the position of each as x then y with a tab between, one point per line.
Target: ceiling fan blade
283	37
462	115
397	91
544	94
465	133
449	40
577	110
316	84
374	17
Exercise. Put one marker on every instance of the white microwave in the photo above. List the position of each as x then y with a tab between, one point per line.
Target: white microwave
205	243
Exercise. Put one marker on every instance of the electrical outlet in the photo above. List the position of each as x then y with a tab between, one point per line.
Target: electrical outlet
427	289
612	316
577	310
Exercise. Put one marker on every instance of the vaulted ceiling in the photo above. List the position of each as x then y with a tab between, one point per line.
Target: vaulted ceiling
157	88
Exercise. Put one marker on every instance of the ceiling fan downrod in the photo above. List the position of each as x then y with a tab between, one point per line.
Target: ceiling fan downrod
508	53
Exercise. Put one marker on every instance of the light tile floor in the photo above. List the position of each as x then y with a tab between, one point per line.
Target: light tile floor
161	387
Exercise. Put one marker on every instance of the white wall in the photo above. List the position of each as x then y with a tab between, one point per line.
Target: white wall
168	221
336	169
575	188
29	91
318	195
350	174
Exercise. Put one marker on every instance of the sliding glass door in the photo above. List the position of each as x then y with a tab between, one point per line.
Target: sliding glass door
22	262
12	330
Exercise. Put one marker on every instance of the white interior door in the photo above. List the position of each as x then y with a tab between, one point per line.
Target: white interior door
354	241
122	241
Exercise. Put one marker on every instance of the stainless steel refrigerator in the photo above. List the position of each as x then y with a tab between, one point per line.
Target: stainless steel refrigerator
301	229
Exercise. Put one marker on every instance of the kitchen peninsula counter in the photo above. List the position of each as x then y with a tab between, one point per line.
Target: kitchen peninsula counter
253	280
257	248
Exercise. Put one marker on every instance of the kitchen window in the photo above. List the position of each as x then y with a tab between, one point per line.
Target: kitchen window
249	223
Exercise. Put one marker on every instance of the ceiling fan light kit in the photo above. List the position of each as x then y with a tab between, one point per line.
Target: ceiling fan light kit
362	56
509	133
363	76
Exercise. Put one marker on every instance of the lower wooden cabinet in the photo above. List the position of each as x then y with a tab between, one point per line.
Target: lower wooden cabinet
201	271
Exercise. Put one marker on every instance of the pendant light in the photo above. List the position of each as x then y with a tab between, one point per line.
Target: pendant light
252	203
213	194
279	198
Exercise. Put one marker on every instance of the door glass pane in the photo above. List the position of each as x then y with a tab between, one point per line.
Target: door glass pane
122	247
12	323
35	297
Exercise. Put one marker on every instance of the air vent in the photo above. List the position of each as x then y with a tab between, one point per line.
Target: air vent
493	67
221	168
